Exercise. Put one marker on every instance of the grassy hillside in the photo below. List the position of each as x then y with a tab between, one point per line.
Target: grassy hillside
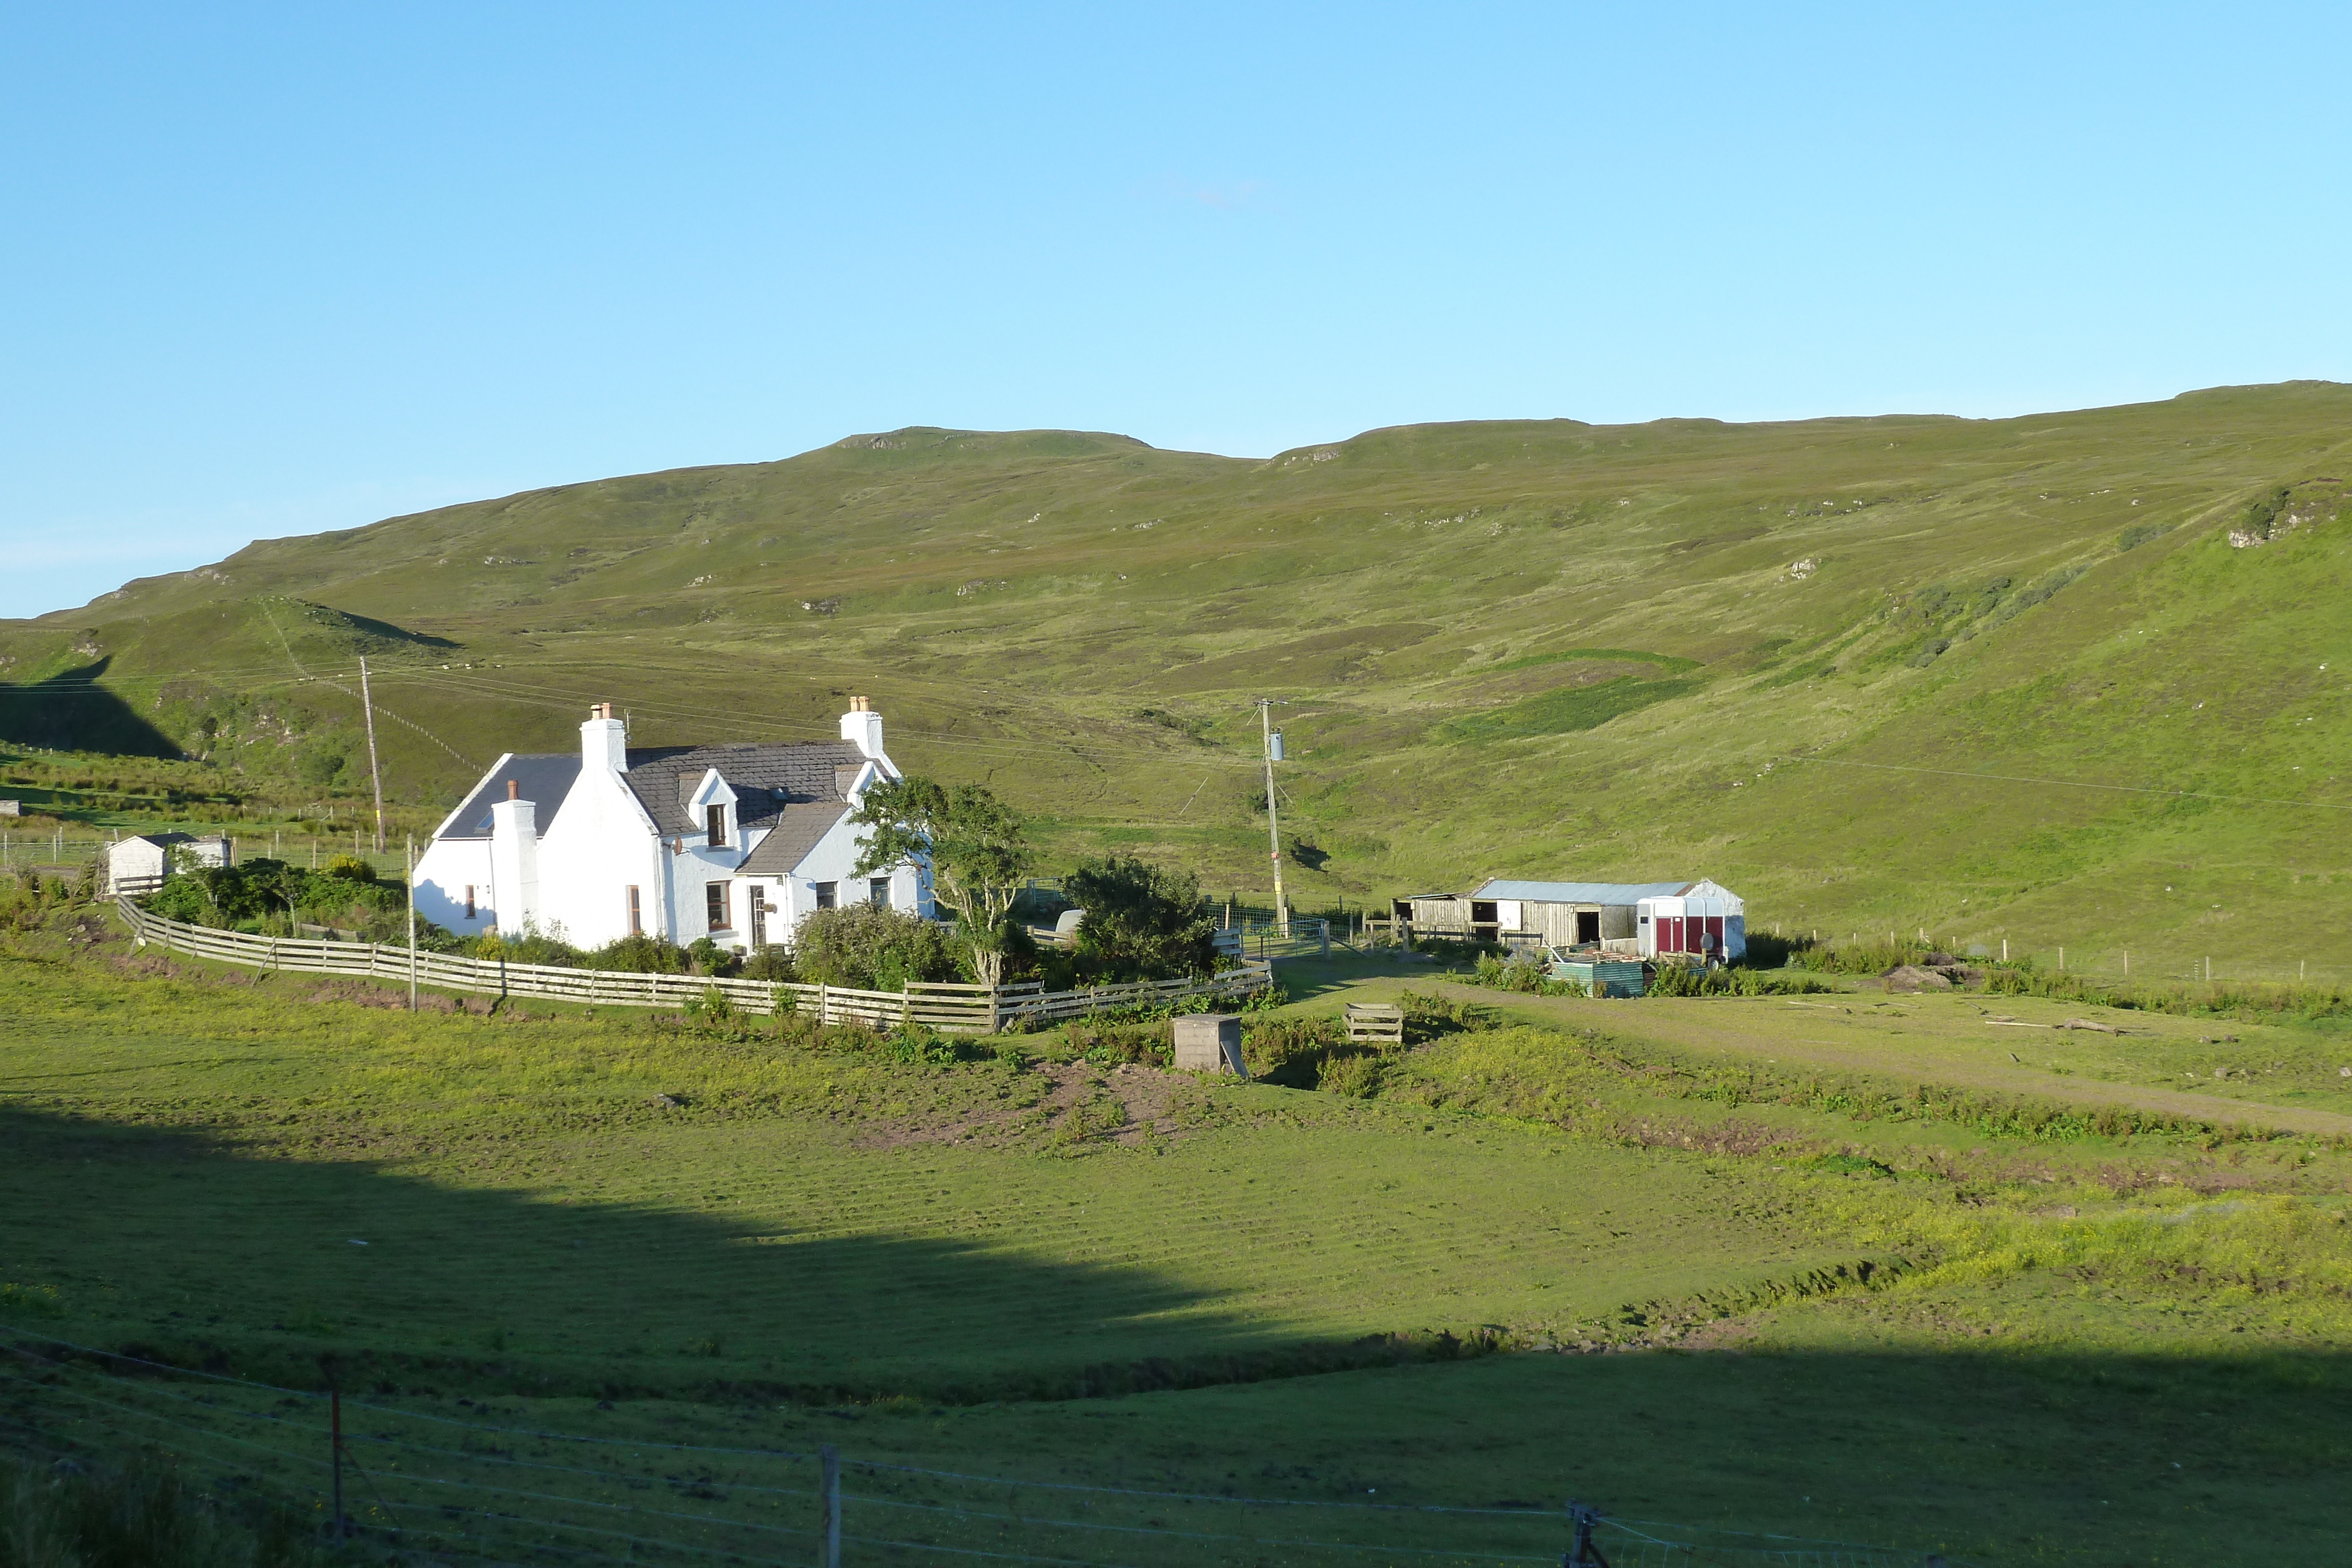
2003	679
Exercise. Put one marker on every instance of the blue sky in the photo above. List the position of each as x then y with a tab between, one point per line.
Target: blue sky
273	271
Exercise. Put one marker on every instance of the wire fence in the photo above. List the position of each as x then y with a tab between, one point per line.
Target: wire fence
469	1479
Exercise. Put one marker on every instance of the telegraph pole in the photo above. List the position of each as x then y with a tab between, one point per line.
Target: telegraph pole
375	778
1273	825
412	922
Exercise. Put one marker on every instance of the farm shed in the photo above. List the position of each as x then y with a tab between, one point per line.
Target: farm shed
1572	914
139	866
1437	913
1706	919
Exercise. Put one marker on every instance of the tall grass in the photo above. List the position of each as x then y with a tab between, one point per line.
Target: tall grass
145	1515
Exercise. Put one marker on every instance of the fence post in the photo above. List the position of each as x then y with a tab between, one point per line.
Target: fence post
905	1003
823	1005
828	1541
1327	938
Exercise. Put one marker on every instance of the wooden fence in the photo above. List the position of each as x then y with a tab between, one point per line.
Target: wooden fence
953	1009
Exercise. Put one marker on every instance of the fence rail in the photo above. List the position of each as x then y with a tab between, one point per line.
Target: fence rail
951	1008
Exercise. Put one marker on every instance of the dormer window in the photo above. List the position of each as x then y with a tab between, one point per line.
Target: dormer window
714	822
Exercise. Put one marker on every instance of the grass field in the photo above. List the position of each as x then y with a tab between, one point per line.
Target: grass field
1030	1266
2005	680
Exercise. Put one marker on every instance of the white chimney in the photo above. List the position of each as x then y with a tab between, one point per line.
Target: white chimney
861	727
604	741
514	862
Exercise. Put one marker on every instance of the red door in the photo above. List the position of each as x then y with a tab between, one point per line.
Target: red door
1673	942
1715	934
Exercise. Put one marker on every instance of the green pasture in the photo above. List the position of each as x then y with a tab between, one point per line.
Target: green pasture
1598	1249
2007	681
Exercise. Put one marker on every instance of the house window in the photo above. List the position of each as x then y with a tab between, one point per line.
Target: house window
714	903
469	901
828	895
636	914
759	917
878	891
714	825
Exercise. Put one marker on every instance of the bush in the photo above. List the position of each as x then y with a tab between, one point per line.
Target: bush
1690	980
263	890
1290	1052
1153	1045
640	953
872	949
1528	976
348	868
1142	921
771	963
530	946
705	956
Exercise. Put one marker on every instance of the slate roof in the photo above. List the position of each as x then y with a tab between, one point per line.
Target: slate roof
799	826
766	779
1607	892
545	780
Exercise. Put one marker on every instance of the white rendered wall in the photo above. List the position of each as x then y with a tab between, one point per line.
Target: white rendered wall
443	871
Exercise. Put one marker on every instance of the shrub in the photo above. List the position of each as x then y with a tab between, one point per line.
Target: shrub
710	1008
1141	920
1526	976
348	868
1103	1044
1690	980
1290	1051
1359	1077
640	953
705	956
872	949
530	946
771	963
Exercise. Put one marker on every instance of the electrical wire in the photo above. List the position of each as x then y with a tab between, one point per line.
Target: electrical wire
1531	1515
2079	784
1187	1534
1203	1497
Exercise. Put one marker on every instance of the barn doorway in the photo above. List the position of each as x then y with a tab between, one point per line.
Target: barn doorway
1587	928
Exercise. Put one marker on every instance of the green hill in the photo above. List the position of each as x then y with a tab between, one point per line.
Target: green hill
2003	679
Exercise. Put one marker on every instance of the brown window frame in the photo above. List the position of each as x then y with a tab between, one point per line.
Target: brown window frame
719	905
469	901
637	912
714	825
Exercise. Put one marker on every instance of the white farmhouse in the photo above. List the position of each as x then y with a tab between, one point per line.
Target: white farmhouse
735	843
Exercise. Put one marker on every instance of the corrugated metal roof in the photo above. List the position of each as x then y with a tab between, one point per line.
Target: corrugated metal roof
1611	893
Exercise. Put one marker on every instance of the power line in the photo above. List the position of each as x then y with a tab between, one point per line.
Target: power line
2079	784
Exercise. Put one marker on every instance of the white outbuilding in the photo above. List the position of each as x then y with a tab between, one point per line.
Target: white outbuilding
1646	918
139	866
736	841
1704	920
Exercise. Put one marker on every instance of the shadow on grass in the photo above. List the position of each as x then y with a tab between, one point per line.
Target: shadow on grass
1312	979
175	1241
69	711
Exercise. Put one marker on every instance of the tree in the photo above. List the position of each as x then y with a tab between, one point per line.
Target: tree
1141	918
976	846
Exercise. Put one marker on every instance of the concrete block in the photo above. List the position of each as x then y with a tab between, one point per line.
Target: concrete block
1210	1042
